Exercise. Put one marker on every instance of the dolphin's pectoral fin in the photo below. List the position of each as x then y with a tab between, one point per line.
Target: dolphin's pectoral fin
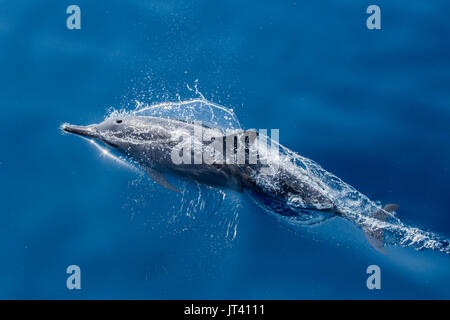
158	177
375	237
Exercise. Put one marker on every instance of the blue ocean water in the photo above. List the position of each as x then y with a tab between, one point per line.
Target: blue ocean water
370	106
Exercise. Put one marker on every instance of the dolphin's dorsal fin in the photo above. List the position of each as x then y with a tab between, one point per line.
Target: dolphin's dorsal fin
375	237
158	177
251	134
241	137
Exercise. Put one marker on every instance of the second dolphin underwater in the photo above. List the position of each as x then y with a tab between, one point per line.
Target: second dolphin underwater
295	187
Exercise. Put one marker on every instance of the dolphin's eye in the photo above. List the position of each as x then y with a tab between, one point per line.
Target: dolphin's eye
118	121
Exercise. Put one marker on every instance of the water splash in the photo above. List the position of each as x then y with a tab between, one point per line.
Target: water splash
350	203
196	206
211	114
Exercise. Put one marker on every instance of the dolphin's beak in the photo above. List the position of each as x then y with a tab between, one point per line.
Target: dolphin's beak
87	131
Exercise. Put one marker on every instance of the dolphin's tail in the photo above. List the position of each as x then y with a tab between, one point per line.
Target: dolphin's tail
375	237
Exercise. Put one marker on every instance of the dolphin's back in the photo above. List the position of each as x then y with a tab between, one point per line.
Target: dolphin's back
284	185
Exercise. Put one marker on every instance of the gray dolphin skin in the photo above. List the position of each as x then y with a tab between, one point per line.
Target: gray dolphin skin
150	142
294	188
